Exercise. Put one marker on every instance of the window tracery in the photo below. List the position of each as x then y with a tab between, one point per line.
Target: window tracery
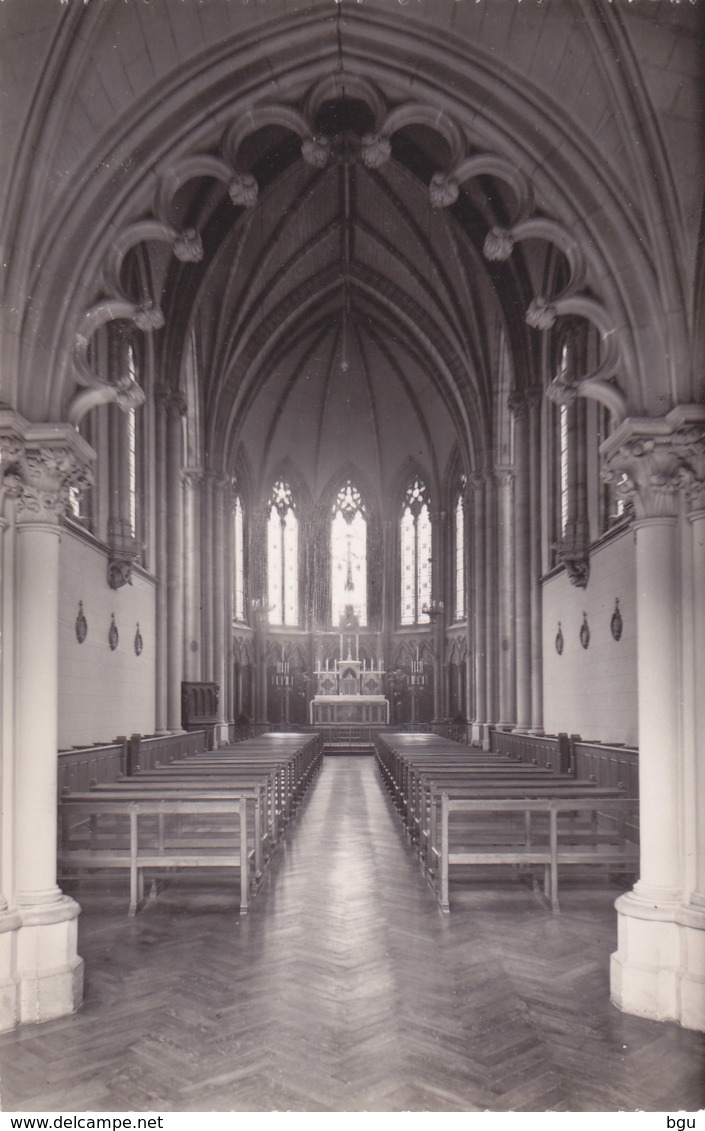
238	560
459	534
415	537
282	557
348	542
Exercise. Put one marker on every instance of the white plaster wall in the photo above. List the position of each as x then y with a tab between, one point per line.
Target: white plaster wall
102	693
593	692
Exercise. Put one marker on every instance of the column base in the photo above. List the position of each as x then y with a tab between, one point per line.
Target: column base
9	982
222	734
49	970
691	920
658	970
480	735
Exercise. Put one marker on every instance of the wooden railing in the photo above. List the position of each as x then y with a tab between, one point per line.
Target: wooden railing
547	751
80	768
147	752
614	767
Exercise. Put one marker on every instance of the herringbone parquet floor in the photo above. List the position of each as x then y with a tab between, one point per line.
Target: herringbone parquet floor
345	989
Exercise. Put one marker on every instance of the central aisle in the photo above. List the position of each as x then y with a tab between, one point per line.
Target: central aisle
346	989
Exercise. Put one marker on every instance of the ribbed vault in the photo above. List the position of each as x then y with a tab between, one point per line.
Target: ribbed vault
305	174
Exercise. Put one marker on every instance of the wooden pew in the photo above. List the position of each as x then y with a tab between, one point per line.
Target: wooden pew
269	777
420	769
158	849
558	850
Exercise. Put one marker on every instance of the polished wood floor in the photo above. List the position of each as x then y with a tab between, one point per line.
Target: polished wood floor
345	989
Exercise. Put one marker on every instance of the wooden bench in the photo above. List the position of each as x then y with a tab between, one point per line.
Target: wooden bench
158	848
268	777
80	809
557	850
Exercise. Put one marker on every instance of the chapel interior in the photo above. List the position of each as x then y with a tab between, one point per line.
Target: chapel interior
352	393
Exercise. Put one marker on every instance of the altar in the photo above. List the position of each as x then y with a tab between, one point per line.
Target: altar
349	690
349	709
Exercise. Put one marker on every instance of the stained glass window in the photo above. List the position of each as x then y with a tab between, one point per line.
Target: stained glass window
415	531
460	557
282	557
348	546
132	447
238	560
563	452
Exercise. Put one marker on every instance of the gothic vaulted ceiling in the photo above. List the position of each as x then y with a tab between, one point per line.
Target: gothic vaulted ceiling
344	228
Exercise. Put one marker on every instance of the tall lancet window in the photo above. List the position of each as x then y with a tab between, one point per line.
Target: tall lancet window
238	560
132	446
459	534
348	552
283	557
415	554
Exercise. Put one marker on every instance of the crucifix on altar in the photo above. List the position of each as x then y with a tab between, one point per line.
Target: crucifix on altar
351	689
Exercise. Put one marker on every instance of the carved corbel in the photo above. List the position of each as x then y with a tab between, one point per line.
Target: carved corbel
375	150
243	190
443	190
315	150
120	569
573	552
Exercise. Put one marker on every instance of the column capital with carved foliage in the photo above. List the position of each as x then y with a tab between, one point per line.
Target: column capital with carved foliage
171	400
192	477
651	462
518	404
503	476
39	463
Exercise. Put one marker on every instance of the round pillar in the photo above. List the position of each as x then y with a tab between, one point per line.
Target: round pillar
176	409
506	604
40	462
522	561
658	970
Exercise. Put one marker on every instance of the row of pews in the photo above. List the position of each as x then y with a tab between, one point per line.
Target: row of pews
225	808
466	809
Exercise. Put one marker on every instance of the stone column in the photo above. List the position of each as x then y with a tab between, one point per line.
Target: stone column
220	623
233	693
479	614
696	518
208	551
647	462
40	463
175	408
260	649
519	405
491	603
505	531
9	919
438	615
123	546
535	398
692	915
448	692
192	480
161	709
